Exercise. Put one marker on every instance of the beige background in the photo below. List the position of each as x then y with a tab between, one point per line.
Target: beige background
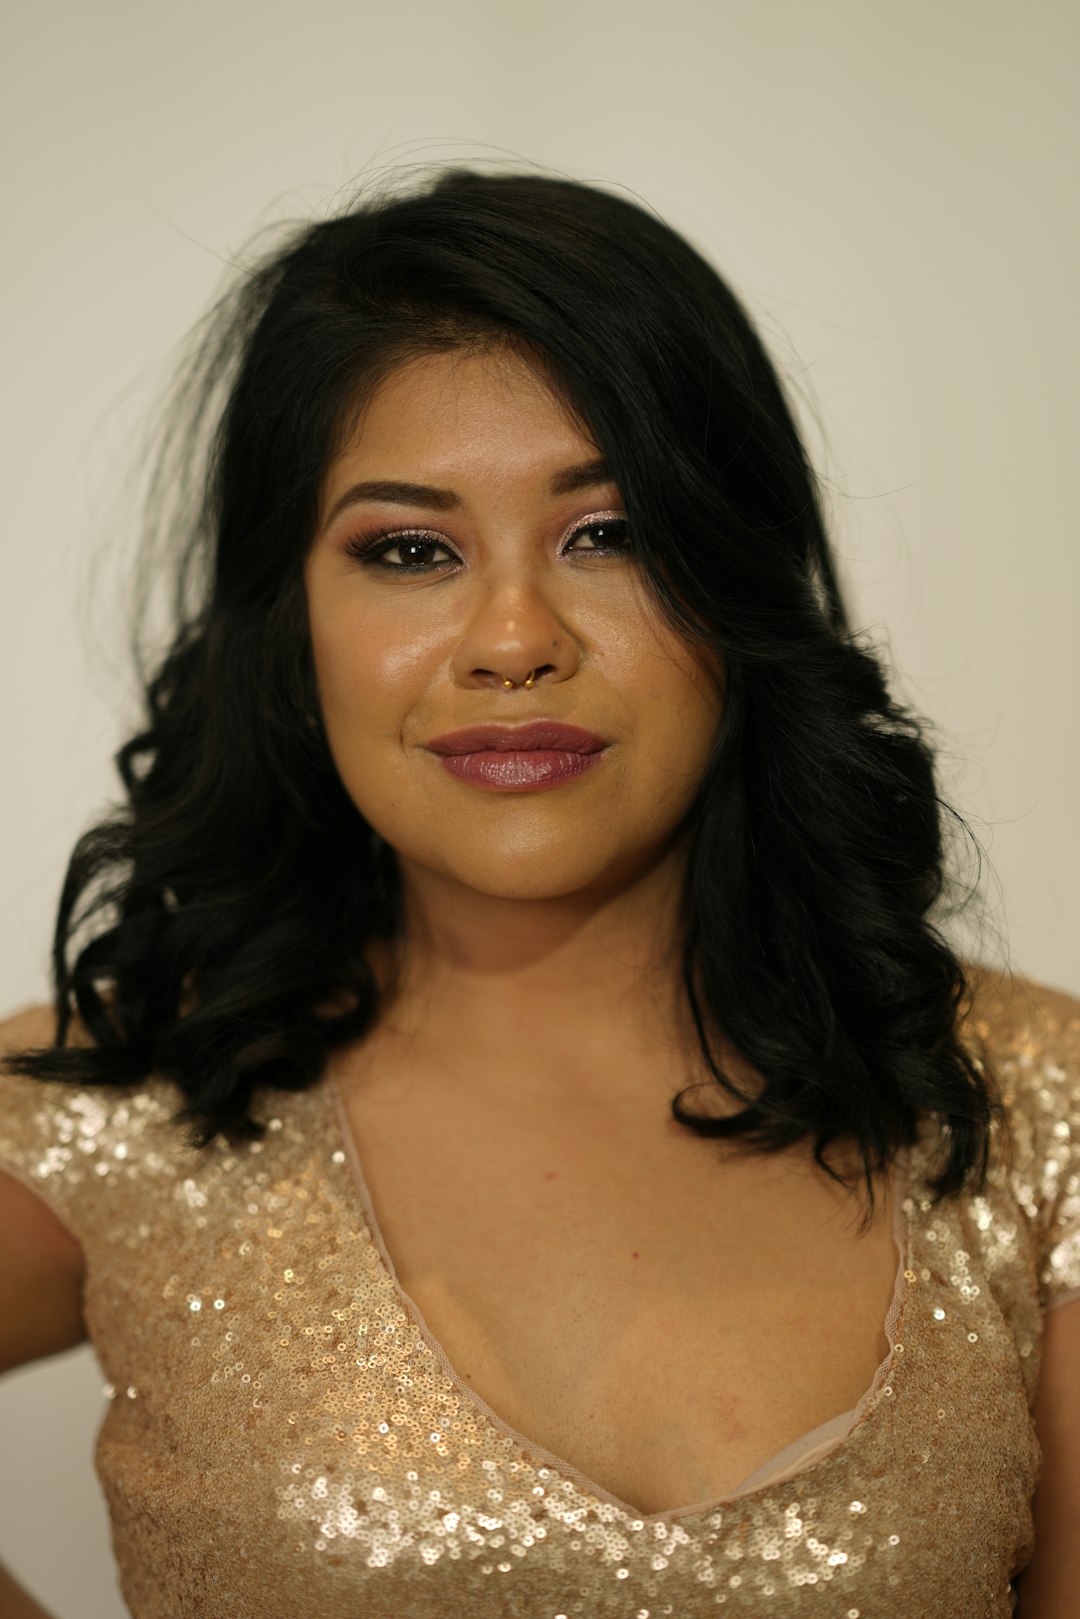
890	188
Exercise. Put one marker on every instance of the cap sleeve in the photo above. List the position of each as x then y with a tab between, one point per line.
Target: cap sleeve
47	1127
1035	1044
30	1130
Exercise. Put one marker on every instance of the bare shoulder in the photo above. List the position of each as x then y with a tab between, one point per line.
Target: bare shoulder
42	1264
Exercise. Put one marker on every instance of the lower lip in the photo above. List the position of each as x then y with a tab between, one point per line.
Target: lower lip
522	772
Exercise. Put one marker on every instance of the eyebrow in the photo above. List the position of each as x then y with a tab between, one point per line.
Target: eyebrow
390	491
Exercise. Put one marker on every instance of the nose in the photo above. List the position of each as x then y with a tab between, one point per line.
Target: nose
514	631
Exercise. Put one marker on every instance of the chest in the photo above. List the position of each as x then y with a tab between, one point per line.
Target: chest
656	1311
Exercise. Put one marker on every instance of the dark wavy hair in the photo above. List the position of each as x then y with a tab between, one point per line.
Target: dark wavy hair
216	929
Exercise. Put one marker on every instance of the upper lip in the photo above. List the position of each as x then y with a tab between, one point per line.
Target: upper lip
548	734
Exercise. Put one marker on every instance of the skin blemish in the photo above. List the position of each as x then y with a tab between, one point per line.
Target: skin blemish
635	1254
549	1174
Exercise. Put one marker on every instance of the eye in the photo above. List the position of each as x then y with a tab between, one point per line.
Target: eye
608	534
416	550
413	550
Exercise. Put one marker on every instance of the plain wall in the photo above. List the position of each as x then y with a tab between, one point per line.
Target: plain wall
892	191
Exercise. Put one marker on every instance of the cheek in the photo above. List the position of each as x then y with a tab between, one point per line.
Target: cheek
679	742
679	695
370	668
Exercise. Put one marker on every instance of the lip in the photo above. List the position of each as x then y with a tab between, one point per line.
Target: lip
537	735
525	758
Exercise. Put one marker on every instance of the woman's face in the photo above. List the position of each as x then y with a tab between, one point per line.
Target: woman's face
508	564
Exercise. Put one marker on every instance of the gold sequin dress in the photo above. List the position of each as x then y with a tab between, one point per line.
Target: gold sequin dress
285	1440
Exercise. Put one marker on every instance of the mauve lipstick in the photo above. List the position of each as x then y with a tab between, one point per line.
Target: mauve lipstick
519	758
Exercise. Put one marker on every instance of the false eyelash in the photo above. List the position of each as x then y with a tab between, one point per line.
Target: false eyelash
369	548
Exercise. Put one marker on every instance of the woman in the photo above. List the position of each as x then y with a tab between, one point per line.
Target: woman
603	1190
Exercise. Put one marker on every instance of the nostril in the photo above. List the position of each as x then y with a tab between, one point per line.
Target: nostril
535	674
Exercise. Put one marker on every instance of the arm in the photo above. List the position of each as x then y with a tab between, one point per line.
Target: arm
16	1601
41	1279
41	1276
1049	1587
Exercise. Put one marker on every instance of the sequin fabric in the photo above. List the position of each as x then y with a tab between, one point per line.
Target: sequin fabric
282	1441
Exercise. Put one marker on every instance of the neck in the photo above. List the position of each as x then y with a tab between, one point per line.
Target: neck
563	992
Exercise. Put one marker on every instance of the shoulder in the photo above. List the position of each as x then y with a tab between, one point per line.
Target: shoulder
1029	1033
68	1140
1018	1014
33	1024
26	1103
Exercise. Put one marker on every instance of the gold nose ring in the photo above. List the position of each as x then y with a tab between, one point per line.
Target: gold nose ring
527	682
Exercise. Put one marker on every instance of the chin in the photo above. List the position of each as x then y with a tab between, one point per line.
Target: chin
521	880
575	864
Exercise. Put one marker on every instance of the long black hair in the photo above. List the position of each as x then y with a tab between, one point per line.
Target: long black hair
216	929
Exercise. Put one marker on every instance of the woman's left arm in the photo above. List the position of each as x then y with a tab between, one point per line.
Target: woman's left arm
1049	1587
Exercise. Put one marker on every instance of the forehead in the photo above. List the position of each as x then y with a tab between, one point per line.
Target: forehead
465	412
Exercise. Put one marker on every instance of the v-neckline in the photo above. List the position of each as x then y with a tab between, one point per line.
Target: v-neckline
888	1370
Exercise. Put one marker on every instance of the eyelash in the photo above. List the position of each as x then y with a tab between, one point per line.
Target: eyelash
370	549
